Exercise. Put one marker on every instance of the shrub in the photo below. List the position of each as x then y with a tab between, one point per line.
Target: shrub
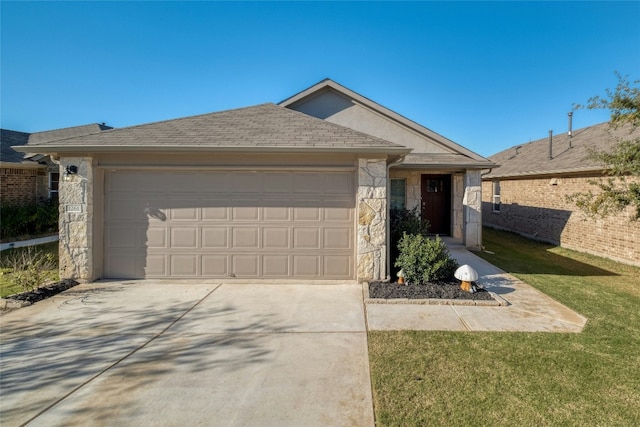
405	221
424	259
28	220
30	268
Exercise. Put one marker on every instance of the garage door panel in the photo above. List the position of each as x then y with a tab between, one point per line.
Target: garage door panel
307	214
248	213
246	182
183	265
338	214
338	238
339	183
278	213
215	265
246	238
156	238
276	238
126	265
184	209
215	212
306	265
214	237
123	237
245	265
229	224
156	265
184	237
308	183
277	183
125	209
306	238
275	266
337	266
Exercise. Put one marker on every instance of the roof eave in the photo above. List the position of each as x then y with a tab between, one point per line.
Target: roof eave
446	166
594	169
51	149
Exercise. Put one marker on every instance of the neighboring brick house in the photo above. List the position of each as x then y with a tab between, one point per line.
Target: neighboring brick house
26	179
527	194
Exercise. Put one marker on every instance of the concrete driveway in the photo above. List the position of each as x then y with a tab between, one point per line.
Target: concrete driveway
148	353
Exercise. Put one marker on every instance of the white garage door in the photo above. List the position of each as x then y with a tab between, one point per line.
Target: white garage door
245	224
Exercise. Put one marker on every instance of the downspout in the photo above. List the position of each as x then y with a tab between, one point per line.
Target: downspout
388	222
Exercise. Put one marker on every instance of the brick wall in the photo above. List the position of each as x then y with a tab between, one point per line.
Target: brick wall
19	186
538	208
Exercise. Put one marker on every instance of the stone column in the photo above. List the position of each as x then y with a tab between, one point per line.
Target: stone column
76	219
472	203
372	218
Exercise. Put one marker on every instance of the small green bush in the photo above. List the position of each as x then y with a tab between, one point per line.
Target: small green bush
28	220
405	221
424	259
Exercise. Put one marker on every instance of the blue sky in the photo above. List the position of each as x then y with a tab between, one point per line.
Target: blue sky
488	75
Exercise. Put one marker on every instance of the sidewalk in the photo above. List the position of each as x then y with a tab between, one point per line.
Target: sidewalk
528	310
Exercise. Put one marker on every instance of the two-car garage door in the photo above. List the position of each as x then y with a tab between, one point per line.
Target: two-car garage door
234	223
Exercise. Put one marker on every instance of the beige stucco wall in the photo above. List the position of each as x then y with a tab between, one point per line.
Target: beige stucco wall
335	108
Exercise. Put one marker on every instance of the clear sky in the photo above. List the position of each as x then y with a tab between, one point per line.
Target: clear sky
488	75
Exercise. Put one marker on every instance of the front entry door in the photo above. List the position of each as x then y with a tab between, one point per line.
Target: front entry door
436	203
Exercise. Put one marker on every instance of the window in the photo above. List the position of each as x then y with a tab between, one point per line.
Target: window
398	193
54	181
496	196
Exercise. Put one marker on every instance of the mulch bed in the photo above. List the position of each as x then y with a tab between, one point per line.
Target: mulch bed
44	291
445	290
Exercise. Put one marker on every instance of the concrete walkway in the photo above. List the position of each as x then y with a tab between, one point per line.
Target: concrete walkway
528	309
144	353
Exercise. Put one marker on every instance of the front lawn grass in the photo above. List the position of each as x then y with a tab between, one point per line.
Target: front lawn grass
6	286
423	378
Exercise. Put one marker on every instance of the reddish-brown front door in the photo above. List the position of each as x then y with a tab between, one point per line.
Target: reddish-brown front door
436	203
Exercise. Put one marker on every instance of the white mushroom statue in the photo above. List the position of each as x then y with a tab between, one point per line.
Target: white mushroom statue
467	275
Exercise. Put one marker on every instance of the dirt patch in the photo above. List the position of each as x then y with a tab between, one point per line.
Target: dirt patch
445	290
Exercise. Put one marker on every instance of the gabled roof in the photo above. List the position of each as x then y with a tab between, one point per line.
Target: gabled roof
9	138
466	155
265	127
569	155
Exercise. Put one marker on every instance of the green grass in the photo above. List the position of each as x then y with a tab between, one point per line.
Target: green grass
6	286
522	379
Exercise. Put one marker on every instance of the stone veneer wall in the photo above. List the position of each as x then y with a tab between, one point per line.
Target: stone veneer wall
76	220
472	205
537	208
372	217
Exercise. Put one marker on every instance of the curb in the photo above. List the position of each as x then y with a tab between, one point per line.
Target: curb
32	242
12	304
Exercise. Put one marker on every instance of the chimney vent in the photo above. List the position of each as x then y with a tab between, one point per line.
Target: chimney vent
550	144
570	131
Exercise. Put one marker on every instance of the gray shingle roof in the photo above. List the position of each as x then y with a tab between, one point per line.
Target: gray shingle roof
9	138
533	158
58	134
265	126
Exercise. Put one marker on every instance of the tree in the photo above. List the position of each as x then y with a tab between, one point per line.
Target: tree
621	187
